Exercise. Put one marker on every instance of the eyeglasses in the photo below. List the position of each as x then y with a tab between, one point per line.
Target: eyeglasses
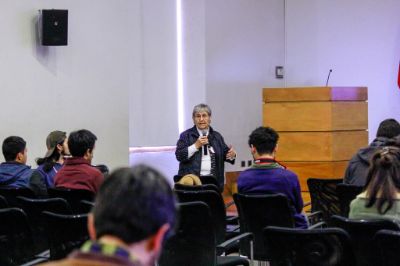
201	116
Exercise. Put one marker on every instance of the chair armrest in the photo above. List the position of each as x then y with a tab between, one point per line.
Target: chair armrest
232	220
232	228
35	261
44	254
229	204
318	225
314	217
229	243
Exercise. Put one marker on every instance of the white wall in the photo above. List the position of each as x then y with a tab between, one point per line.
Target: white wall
153	98
82	85
244	43
194	57
358	39
230	49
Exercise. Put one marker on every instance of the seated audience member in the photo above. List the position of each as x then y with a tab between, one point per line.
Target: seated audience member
356	172
48	166
268	176
77	172
190	180
381	197
133	214
14	172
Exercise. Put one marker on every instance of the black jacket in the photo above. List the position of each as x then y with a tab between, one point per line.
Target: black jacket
357	170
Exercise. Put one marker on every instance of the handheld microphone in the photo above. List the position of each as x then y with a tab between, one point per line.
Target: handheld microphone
327	80
205	147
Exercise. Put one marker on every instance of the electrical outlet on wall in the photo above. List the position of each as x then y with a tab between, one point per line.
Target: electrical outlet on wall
279	72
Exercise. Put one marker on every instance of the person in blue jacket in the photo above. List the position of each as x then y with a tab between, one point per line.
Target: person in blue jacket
14	173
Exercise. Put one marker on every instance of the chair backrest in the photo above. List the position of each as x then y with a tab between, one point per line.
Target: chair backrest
346	194
216	206
103	169
86	206
362	233
258	211
387	247
324	197
3	202
11	195
34	208
66	233
194	241
73	196
209	180
201	187
16	243
306	247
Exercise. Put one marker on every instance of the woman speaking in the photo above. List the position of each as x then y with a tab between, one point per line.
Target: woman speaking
201	150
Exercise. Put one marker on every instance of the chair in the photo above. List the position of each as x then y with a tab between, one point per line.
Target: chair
86	206
66	233
208	179
324	197
194	241
362	233
11	195
258	211
34	208
16	242
103	169
304	247
73	196
346	193
387	247
3	202
216	205
231	220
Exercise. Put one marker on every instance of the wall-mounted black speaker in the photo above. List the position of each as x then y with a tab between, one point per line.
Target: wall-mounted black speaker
54	27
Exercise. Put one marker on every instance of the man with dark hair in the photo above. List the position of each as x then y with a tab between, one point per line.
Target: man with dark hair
356	172
134	212
14	172
268	176
78	173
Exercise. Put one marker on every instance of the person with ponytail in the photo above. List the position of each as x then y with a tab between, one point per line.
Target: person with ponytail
381	196
48	166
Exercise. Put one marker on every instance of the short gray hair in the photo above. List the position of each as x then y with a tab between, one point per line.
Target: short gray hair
201	108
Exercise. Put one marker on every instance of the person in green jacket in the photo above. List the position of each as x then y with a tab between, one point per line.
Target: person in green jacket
381	196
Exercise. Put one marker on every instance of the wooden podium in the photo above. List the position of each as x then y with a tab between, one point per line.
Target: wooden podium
320	128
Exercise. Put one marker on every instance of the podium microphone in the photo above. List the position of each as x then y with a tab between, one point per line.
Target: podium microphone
205	147
327	80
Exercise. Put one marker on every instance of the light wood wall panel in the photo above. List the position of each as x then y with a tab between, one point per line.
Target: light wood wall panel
305	170
316	116
315	94
320	146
